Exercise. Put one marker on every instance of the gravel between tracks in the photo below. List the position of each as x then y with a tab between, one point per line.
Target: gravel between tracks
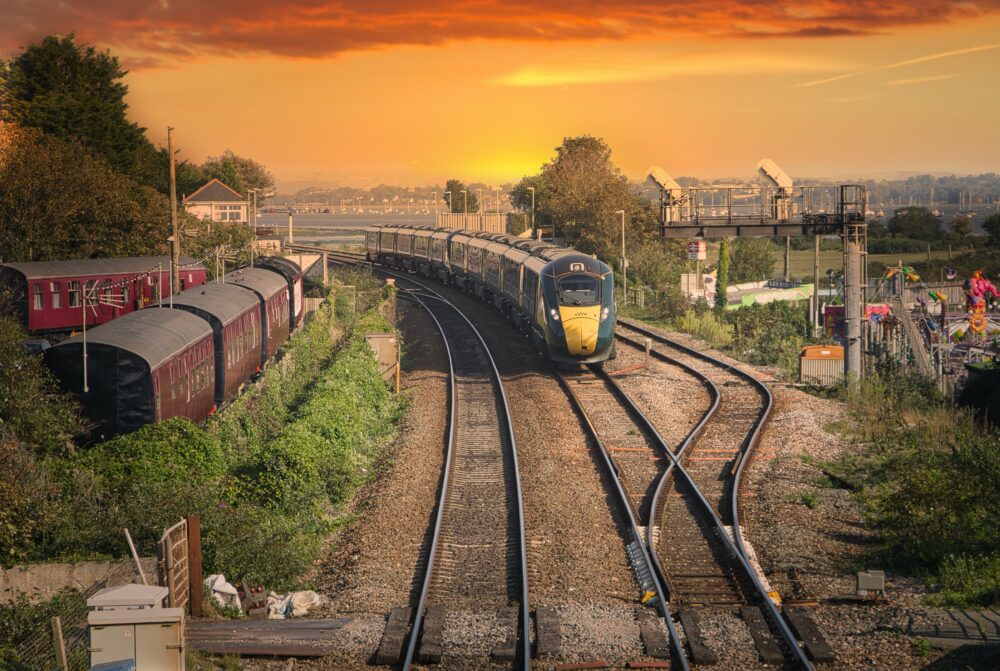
827	543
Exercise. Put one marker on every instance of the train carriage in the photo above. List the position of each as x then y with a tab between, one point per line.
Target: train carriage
562	299
48	295
293	277
234	316
271	291
144	367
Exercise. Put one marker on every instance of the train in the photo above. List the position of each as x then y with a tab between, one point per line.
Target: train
186	361
48	295
561	299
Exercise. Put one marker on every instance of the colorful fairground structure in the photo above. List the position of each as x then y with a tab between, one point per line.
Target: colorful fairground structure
937	328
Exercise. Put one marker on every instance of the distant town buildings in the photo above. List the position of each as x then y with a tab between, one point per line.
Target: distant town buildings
217	202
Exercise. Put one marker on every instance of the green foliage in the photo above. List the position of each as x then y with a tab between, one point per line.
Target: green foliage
960	230
722	280
236	172
928	475
20	621
808	499
753	260
38	414
579	192
992	227
458	201
76	93
29	501
769	334
705	326
915	222
968	581
60	201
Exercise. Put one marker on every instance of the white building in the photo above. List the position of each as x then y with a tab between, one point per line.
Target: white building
217	202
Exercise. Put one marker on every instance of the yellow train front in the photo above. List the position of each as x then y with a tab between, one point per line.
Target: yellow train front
563	300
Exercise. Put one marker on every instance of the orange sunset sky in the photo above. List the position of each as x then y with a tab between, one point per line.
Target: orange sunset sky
363	92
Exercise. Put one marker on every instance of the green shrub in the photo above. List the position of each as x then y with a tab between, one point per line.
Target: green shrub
968	581
706	327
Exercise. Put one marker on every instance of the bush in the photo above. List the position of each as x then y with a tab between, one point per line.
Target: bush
706	327
770	334
968	581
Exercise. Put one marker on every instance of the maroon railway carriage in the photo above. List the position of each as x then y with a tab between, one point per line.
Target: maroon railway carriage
48	295
293	275
271	290
144	367
234	315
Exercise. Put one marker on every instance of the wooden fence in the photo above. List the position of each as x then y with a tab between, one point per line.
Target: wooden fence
175	564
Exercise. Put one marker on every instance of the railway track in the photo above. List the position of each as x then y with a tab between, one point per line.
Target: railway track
696	536
476	573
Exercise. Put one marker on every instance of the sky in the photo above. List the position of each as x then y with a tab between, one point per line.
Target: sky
362	92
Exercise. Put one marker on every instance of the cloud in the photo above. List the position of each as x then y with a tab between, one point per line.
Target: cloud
906	63
656	67
163	30
920	80
852	99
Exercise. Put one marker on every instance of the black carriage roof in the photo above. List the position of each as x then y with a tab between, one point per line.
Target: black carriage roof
225	302
153	334
265	282
86	267
279	262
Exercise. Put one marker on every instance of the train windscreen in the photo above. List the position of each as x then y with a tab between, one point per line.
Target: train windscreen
579	290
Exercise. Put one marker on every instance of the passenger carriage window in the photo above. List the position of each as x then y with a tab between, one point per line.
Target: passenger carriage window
73	289
56	290
125	295
39	295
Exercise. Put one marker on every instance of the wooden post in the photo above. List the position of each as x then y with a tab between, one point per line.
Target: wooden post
326	270
194	564
60	643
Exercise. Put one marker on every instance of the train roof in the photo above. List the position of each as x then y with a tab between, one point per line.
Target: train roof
154	334
265	282
225	302
280	263
83	267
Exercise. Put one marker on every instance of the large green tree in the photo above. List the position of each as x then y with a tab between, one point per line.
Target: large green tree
58	200
992	228
580	192
237	172
915	222
75	92
454	189
752	259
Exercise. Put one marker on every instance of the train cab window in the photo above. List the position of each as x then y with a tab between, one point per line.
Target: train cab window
38	296
579	290
73	290
55	288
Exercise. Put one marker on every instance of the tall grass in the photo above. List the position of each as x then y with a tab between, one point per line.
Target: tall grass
705	326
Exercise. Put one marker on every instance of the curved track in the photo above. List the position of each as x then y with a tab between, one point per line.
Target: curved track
476	570
696	531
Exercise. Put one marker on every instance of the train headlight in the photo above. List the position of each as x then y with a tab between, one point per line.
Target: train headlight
604	313
554	313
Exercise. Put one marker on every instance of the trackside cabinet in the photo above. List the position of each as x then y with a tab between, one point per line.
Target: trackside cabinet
129	623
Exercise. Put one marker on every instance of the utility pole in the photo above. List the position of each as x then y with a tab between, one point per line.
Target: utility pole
815	314
498	200
624	262
175	257
532	190
788	255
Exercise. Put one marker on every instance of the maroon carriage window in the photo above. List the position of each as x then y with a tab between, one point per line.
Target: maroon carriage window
38	293
73	290
55	288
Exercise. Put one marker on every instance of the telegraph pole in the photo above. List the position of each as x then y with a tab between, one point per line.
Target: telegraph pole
175	256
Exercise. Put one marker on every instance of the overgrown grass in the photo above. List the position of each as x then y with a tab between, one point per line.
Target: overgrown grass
705	326
928	475
266	475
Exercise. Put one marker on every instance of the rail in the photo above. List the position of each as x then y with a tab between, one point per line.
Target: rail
523	645
736	546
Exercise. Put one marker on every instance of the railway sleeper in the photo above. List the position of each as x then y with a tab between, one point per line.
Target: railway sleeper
767	648
700	652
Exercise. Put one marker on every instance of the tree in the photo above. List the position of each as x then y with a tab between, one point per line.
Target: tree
60	201
460	202
960	230
915	222
722	280
579	193
236	172
992	227
75	92
753	259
